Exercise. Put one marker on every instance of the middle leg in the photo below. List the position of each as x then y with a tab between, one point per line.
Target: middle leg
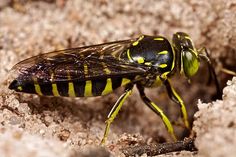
158	111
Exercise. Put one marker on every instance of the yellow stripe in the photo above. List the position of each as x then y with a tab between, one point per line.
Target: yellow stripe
173	62
125	81
165	120
140	60
71	90
162	65
54	90
108	87
20	88
37	89
128	55
54	85
159	38
88	88
113	113
163	52
136	42
183	109
164	75
148	63
140	38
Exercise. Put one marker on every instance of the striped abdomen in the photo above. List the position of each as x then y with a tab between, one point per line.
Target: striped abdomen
70	89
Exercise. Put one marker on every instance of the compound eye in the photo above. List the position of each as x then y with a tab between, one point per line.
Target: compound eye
190	63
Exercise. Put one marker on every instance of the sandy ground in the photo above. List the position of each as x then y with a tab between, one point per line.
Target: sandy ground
45	126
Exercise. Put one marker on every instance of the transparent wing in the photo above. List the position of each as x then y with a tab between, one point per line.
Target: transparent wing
83	63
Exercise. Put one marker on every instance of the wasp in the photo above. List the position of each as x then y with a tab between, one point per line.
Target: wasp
96	70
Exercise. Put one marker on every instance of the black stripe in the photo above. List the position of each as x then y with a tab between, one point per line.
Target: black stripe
62	88
46	89
98	86
28	88
116	82
79	88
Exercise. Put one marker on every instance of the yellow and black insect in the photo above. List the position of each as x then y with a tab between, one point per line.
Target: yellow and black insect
100	69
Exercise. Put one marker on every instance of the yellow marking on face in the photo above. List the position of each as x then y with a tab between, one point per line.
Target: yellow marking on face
71	90
159	38
88	88
163	52
108	87
54	90
162	65
20	88
128	55
140	60
125	81
38	89
148	63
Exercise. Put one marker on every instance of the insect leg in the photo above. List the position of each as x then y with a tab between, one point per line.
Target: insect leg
229	72
114	111
203	54
177	99
157	110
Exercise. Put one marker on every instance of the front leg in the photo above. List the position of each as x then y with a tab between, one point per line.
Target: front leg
204	55
177	99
